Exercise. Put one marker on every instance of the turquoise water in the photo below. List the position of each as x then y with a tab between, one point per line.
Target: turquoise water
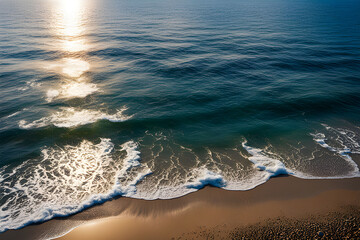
156	99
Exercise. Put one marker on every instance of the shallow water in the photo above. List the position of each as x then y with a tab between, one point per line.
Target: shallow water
155	99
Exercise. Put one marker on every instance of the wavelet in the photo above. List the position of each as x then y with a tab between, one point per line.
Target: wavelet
69	117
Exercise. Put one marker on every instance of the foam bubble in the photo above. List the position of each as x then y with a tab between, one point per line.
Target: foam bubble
65	180
71	117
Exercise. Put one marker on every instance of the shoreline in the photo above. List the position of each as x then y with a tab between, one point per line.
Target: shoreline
202	212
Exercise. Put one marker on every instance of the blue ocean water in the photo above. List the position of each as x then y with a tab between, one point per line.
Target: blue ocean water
156	99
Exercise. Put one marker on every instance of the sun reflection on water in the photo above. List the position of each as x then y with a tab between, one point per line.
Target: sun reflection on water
74	68
69	18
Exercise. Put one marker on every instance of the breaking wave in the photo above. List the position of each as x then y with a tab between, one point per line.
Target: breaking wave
66	180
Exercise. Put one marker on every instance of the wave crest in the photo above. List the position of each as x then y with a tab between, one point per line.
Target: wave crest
207	177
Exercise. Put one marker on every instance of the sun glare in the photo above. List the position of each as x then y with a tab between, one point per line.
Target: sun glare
69	18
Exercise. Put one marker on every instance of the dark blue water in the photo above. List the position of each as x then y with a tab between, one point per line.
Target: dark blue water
156	99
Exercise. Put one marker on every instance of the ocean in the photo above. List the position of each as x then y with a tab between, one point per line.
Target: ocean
101	99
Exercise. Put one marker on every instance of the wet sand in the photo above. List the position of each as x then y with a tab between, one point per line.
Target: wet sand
284	207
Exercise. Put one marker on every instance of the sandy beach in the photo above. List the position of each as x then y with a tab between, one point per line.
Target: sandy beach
284	207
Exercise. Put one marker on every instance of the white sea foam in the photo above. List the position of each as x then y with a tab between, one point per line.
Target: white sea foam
271	166
197	179
202	174
71	117
72	90
207	177
30	84
348	139
7	122
125	177
66	180
274	167
265	167
16	113
51	94
345	138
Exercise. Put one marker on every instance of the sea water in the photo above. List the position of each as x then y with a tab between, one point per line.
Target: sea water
156	99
